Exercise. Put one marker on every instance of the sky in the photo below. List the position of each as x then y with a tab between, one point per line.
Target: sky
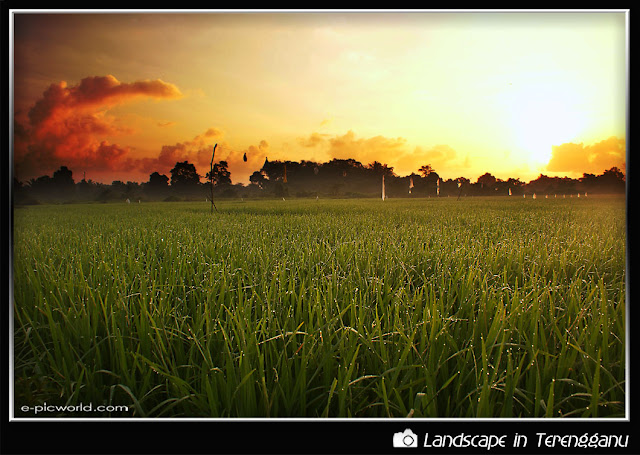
118	96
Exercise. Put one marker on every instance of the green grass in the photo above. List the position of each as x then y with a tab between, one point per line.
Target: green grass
504	307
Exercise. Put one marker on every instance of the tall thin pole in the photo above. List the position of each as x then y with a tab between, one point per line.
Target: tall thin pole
213	205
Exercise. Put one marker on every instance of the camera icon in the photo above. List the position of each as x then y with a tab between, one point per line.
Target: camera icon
406	438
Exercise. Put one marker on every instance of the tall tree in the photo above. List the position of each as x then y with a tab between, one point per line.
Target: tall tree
184	175
157	180
220	174
487	180
257	178
380	169
425	170
63	178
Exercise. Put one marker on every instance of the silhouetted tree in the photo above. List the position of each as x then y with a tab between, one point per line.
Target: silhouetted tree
157	187
430	183
516	185
221	174
157	181
62	183
42	183
280	190
425	170
380	169
610	181
613	180
63	178
21	193
337	177
17	184
273	170
184	176
543	185
257	178
487	180
87	190
463	185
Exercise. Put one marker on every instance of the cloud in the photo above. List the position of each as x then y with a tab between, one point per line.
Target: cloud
440	157
241	170
314	140
60	100
198	151
211	133
596	158
391	151
69	125
365	150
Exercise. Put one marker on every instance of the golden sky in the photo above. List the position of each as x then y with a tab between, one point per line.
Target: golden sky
516	94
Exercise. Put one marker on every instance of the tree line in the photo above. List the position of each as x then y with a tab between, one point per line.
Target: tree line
342	178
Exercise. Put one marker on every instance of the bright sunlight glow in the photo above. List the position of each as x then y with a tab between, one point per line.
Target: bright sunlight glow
540	117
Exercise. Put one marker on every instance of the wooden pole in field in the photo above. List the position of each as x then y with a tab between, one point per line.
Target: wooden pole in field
213	205
384	193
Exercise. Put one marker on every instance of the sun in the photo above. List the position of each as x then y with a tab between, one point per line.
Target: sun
540	117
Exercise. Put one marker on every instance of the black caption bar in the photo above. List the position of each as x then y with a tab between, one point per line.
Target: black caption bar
402	436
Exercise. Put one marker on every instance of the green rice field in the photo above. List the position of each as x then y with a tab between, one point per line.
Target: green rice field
478	307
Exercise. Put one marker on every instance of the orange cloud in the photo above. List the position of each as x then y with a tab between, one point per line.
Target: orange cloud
241	170
197	151
60	100
207	136
392	151
596	158
377	148
440	157
365	150
314	140
68	125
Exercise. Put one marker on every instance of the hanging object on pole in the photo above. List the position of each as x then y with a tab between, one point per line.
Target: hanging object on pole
244	158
